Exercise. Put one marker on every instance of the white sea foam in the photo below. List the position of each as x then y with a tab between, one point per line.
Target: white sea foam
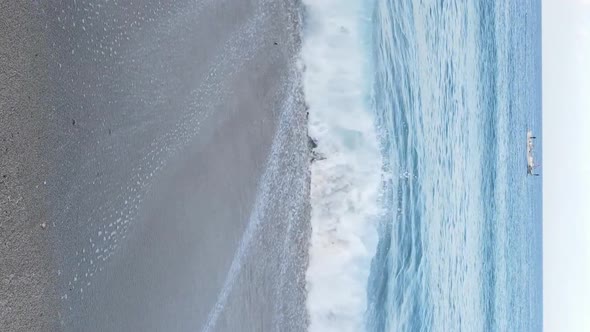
346	175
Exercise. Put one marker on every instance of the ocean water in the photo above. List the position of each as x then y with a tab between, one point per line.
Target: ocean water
423	218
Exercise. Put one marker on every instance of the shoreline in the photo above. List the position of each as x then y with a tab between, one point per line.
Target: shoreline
136	168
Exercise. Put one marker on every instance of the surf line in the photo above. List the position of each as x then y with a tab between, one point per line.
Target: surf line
258	214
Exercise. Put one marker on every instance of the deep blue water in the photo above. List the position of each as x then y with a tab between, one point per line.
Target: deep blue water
456	86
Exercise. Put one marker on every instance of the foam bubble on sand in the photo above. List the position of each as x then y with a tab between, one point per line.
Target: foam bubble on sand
346	175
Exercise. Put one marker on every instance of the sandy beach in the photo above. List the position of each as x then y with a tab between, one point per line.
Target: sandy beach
27	285
154	167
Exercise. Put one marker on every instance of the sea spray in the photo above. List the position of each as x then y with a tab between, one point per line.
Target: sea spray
346	171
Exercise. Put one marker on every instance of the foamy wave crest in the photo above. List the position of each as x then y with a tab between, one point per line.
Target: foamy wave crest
346	172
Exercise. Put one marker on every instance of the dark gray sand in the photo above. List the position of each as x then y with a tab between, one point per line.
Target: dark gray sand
164	151
27	286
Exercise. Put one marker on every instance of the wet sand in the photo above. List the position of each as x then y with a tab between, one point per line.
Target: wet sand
149	158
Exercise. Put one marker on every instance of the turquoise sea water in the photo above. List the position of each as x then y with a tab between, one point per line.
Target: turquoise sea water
457	84
423	216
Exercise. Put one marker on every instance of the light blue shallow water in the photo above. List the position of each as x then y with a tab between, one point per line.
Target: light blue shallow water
456	86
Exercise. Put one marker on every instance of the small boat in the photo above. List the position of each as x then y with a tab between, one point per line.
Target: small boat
529	154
